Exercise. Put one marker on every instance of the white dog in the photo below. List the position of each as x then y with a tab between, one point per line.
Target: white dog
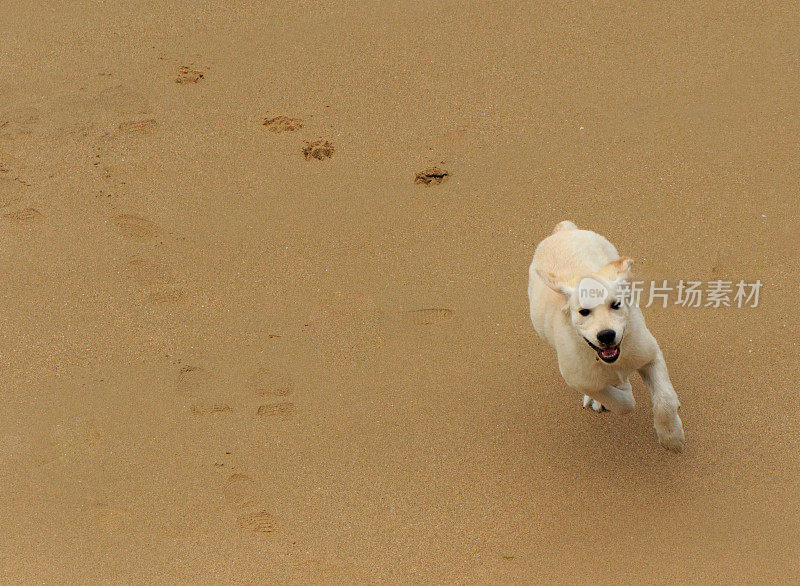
576	307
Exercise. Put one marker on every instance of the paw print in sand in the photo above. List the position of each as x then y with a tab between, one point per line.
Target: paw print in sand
187	74
318	149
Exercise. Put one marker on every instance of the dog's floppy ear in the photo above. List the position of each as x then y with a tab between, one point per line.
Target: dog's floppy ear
617	270
556	284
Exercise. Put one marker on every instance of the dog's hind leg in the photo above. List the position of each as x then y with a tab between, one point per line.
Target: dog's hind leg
596	406
669	427
617	399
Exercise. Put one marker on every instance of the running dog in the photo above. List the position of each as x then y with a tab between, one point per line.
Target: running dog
575	287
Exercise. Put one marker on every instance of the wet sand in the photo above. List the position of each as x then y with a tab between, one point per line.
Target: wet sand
244	341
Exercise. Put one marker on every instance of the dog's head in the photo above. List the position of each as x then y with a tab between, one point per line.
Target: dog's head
595	306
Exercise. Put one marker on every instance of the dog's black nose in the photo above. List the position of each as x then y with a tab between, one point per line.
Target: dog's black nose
606	336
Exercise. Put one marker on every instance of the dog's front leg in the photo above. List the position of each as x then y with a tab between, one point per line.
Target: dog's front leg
665	404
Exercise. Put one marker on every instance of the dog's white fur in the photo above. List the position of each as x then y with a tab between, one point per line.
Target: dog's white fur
559	263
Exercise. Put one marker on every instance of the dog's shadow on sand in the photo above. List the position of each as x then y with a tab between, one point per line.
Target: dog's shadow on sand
586	447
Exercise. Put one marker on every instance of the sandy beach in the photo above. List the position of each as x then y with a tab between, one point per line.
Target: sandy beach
264	291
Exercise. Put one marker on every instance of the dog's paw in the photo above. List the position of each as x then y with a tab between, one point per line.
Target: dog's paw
672	440
595	405
670	432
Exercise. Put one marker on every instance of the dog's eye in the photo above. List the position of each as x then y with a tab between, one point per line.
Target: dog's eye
615	304
584	311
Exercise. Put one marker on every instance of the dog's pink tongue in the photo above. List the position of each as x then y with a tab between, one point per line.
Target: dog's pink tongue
608	352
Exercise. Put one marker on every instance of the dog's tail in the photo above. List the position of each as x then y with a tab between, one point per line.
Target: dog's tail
565	225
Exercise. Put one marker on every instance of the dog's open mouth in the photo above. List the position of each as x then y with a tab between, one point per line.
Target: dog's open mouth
607	353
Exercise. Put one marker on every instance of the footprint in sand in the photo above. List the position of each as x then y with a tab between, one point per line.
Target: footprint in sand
283	411
116	157
10	166
241	496
166	295
136	227
148	126
240	491
431	176
429	315
268	382
18	122
72	113
212	409
188	74
279	124
153	278
10	191
147	271
192	380
258	522
203	390
24	216
318	149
